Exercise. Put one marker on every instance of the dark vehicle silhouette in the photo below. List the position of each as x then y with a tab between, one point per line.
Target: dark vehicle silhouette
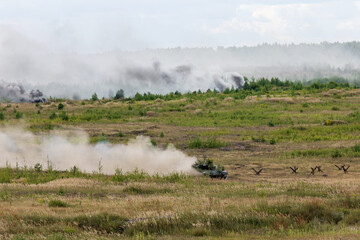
207	168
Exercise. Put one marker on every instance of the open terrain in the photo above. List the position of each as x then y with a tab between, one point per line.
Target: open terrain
274	130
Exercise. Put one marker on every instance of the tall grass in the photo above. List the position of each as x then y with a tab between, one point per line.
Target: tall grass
209	143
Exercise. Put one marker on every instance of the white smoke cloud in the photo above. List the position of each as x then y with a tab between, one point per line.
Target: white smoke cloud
24	148
28	62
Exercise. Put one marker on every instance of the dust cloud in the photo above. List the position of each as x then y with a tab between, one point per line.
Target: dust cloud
21	147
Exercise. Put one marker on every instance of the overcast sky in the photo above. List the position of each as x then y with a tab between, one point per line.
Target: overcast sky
88	26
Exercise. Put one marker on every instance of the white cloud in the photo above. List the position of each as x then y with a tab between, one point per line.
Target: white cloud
294	22
357	4
96	25
265	19
346	25
232	24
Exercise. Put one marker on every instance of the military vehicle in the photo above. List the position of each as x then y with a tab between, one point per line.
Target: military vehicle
207	168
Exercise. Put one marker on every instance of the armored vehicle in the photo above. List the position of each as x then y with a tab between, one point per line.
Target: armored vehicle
207	168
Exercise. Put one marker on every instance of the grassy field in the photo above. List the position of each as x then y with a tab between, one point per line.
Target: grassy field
273	130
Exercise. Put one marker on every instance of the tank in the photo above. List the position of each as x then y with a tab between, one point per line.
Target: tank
207	168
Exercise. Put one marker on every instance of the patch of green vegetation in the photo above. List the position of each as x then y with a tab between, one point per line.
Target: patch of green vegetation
61	106
140	176
57	203
18	115
153	142
141	190
108	223
209	143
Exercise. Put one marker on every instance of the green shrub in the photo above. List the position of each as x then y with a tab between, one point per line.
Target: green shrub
153	142
75	171
61	191
272	141
137	190
135	175
336	154
57	203
121	134
53	116
99	139
2	116
356	148
61	106
63	116
162	135
18	115
94	97
335	108
353	218
209	143
316	210
101	222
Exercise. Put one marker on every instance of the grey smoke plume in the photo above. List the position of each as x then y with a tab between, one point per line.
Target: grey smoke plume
16	92
166	70
232	79
24	148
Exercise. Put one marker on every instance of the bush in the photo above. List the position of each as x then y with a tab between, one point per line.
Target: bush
101	138
315	210
75	171
61	106
305	105
209	143
153	142
119	94
272	141
135	175
53	116
94	97
100	222
262	139
162	135
335	108
353	218
356	148
57	203
121	134
64	116
18	115
336	154
2	116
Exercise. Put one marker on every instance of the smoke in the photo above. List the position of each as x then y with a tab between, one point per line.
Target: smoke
15	92
232	79
64	152
64	74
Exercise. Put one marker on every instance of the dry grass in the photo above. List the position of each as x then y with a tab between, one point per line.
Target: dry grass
243	194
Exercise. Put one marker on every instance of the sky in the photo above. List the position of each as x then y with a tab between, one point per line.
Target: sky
92	26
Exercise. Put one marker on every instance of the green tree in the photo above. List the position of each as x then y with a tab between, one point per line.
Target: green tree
94	97
119	94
